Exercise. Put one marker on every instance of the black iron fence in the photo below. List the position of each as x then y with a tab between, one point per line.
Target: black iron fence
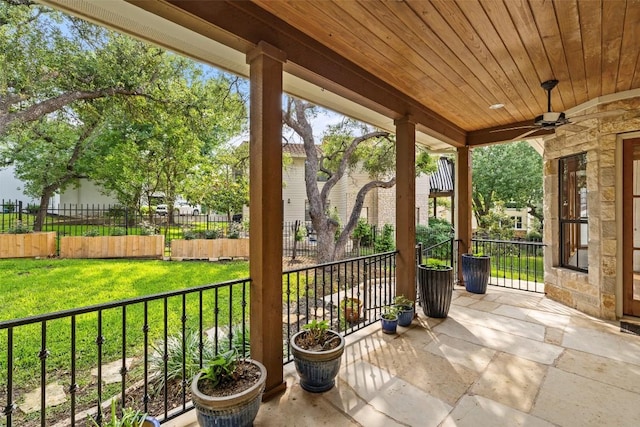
299	238
348	294
155	344
514	264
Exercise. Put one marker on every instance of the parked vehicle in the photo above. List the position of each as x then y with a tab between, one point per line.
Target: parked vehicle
179	208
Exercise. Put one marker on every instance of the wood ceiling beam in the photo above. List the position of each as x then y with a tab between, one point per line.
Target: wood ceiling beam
241	25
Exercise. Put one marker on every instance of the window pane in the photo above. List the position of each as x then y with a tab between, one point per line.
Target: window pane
574	212
573	191
575	237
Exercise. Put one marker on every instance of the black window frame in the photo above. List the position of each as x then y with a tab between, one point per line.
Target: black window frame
575	214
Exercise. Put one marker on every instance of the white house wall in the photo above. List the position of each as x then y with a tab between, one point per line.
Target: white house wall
12	189
87	193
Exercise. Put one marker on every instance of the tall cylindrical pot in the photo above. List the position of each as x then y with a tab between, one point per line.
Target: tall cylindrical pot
475	273
436	289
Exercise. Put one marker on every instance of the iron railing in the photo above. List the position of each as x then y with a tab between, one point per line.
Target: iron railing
317	293
442	251
514	264
155	342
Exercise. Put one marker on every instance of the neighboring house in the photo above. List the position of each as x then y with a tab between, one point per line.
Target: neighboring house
12	189
379	204
86	193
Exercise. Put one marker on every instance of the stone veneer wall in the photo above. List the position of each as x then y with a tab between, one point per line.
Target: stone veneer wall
594	292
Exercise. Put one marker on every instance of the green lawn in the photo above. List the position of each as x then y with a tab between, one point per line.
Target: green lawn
31	287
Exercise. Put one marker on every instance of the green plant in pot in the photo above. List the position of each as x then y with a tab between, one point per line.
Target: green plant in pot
228	390
317	353
405	309
435	283
389	319
130	418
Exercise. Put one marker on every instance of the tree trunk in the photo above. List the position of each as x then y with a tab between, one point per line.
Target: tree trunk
42	210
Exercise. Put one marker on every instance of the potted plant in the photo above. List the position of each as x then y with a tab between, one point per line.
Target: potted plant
228	390
475	272
389	319
317	353
130	418
435	282
405	310
351	308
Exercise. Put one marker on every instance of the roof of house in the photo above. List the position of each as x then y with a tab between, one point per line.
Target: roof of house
297	150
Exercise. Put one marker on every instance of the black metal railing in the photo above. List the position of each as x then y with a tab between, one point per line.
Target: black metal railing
514	264
156	344
443	252
318	292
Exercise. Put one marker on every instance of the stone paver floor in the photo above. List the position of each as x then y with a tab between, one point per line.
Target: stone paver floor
506	358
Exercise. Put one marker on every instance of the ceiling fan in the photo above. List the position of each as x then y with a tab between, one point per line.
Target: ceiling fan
552	120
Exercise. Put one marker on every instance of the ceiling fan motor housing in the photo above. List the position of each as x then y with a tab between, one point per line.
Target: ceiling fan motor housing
550	119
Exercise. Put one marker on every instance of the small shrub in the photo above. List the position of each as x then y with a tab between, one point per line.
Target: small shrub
33	209
174	357
8	207
115	212
238	341
221	367
130	418
147	229
234	231
91	232
363	232
188	234
118	231
19	228
385	243
212	234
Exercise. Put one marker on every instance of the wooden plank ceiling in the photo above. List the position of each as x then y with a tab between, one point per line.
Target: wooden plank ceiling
446	61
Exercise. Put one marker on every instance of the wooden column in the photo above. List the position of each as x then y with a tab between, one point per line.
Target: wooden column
265	212
406	207
463	203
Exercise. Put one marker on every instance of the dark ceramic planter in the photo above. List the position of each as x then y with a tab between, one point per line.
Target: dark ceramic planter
405	315
389	326
317	369
229	411
436	288
475	273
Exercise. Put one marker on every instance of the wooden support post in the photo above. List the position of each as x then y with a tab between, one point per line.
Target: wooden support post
463	204
406	207
265	212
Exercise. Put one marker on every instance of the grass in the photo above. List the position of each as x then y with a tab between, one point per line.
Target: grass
525	268
31	287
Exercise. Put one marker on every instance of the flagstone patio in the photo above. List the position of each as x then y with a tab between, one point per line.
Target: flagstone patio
506	358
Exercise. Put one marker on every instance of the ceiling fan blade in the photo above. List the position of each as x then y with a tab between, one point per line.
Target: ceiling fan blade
600	115
517	127
519	137
573	128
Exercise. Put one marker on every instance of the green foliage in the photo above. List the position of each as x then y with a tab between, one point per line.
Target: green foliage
238	341
189	234
91	232
496	224
220	367
300	233
19	228
130	418
118	231
402	301
363	232
33	209
436	232
436	264
147	229
317	335
8	207
212	234
386	241
390	312
174	358
506	173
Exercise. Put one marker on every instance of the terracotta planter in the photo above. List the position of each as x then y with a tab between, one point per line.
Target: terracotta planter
238	410
28	245
133	246
352	307
317	369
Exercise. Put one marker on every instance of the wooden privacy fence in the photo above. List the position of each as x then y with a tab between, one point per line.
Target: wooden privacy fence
112	247
209	248
28	245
